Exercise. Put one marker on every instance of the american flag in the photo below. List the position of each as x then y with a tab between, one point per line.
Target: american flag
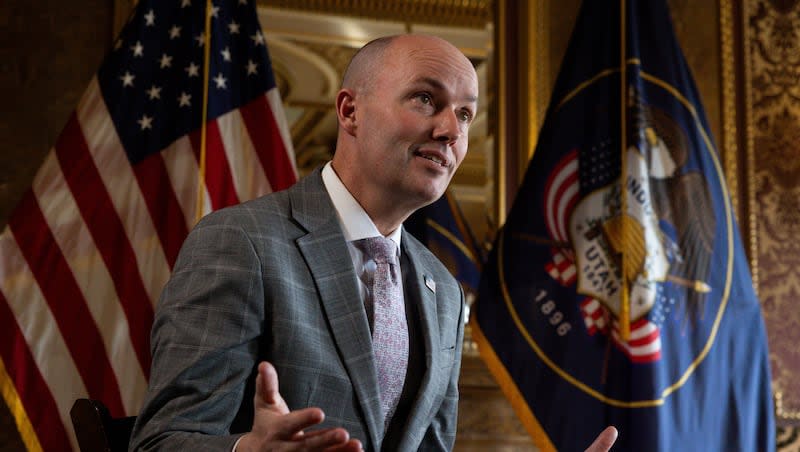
87	250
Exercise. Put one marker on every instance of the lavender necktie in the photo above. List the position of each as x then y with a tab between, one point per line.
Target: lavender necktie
390	331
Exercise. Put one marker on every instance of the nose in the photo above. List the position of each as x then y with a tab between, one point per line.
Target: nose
448	128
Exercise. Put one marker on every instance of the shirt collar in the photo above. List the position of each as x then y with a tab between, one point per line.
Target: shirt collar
355	221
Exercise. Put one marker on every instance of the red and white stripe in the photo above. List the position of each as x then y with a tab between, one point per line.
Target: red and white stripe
561	268
88	249
561	193
644	344
594	316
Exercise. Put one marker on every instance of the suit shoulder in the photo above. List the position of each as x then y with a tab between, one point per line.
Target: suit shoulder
263	209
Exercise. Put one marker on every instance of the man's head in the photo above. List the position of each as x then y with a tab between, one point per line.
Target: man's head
365	65
404	111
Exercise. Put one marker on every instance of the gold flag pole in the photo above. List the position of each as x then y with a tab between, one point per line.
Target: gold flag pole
625	306
201	176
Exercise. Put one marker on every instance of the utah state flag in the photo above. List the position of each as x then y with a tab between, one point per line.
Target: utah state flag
618	292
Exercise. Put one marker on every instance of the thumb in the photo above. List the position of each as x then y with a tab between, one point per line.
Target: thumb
267	392
604	441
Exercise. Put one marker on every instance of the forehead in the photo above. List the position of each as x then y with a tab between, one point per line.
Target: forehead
431	63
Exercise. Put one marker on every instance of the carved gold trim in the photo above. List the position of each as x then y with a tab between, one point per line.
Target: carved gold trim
779	411
527	88
729	145
752	205
460	13
501	54
539	69
746	214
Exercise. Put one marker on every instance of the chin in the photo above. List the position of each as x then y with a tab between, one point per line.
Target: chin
432	196
428	193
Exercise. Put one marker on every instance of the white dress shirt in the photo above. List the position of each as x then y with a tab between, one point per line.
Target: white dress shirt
356	225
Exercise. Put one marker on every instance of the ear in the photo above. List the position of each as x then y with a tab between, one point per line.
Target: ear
346	110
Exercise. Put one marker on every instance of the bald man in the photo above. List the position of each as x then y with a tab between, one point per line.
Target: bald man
263	337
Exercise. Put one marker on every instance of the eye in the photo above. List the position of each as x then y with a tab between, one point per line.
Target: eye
425	98
465	116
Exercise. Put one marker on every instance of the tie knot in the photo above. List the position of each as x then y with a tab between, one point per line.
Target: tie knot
380	249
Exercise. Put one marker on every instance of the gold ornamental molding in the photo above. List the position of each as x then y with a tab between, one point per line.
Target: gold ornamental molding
780	412
750	147
750	160
456	13
729	145
742	191
540	82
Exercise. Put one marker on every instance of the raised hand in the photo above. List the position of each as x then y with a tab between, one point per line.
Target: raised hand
275	428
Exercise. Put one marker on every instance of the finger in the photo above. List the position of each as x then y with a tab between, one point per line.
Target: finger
323	431
333	439
604	441
291	425
352	445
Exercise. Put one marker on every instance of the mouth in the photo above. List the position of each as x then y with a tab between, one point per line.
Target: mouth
433	156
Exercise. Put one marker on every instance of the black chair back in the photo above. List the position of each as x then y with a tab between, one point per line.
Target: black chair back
96	430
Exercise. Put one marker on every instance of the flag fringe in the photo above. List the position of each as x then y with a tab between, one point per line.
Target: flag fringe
12	400
510	389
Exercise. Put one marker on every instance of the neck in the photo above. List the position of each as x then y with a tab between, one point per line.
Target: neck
386	214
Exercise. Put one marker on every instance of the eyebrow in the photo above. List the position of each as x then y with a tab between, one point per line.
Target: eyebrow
435	83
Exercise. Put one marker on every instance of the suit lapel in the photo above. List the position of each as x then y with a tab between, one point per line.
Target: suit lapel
421	287
327	256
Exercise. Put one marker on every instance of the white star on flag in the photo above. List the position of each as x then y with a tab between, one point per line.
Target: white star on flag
193	70
154	92
185	100
146	122
220	81
252	67
150	18
166	61
226	54
127	79
138	49
174	32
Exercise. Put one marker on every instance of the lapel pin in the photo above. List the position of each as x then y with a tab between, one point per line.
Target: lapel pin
430	284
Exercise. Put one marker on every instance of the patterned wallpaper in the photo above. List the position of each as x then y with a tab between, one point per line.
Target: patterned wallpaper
773	39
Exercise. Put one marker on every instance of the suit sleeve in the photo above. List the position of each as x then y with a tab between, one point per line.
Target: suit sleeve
204	343
441	434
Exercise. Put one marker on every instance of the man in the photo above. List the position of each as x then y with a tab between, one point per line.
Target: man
279	290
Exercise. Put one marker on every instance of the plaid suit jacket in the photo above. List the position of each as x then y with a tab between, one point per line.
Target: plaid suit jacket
272	279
